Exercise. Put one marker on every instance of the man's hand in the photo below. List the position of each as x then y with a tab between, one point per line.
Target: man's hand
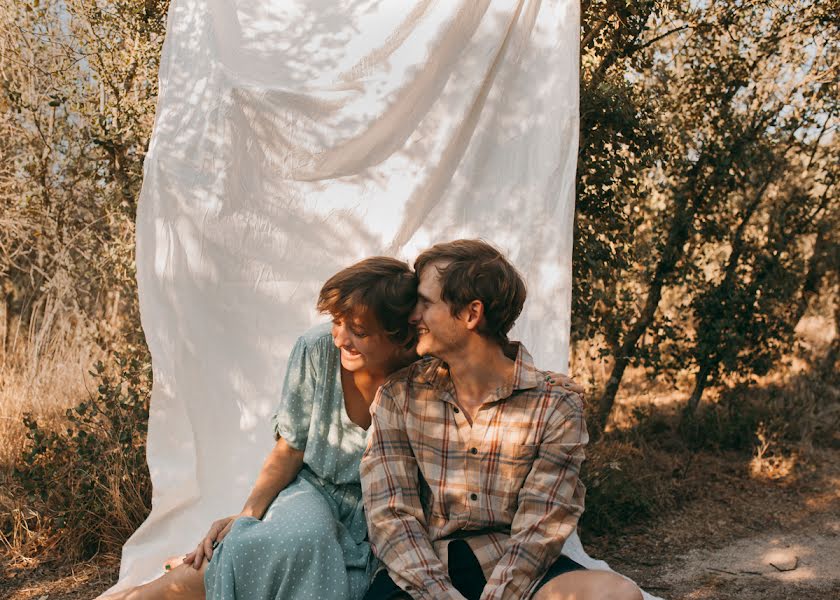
218	530
564	381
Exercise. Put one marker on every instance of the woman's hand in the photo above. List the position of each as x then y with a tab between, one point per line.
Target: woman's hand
564	381
218	530
279	469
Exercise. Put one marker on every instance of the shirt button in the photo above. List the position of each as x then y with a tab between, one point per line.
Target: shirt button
456	410
473	496
474	450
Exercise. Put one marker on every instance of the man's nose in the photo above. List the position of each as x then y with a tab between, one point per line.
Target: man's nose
414	317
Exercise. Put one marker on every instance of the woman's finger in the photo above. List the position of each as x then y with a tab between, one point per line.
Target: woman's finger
574	387
565	382
208	547
173	562
199	555
223	533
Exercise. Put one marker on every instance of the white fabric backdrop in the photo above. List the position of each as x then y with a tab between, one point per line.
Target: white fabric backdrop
293	138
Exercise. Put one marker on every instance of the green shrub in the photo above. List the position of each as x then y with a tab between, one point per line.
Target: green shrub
729	424
624	485
86	474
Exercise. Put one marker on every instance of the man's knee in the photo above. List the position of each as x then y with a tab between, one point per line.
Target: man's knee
589	585
624	589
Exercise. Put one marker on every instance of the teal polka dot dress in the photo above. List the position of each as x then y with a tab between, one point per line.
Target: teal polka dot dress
312	541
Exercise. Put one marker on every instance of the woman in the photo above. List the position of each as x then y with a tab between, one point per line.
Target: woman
302	532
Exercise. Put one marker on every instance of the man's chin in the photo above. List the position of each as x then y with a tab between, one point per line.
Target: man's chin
426	351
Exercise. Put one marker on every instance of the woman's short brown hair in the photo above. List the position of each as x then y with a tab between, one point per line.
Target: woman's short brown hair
475	270
379	287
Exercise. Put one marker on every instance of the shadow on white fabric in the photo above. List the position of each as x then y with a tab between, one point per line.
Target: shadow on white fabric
293	138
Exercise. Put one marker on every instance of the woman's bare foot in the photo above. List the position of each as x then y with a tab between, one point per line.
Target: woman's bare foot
172	562
180	582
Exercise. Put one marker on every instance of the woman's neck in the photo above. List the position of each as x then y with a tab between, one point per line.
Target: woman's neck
367	381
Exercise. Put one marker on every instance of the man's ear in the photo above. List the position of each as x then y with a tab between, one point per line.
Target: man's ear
472	314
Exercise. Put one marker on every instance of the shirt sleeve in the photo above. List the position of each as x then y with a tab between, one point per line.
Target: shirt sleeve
550	504
292	419
396	523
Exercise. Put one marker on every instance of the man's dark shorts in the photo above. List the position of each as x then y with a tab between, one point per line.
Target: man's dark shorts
465	572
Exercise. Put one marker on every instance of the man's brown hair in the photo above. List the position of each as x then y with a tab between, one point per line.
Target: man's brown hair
381	288
475	270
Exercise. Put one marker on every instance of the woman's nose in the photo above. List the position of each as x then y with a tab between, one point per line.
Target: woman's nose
340	335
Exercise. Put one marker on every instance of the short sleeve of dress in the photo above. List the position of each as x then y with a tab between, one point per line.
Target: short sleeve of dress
293	416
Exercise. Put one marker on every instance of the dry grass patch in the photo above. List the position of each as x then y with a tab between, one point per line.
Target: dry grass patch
46	385
73	476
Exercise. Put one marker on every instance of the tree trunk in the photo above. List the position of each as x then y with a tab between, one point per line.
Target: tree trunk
701	380
709	362
677	238
688	201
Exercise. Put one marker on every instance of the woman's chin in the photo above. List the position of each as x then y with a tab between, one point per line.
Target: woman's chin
352	363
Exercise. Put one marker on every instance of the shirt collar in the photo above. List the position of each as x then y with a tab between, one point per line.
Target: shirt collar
435	372
525	376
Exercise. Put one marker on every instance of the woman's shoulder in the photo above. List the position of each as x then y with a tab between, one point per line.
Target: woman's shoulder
317	341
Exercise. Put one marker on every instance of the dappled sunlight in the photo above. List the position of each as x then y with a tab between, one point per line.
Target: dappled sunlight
769	462
293	138
693	173
828	494
807	559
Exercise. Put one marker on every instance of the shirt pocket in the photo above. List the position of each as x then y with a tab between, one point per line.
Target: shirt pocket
515	463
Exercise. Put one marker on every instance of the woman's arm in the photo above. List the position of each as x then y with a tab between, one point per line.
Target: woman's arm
279	470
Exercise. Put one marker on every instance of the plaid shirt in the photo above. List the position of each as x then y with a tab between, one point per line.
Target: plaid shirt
507	484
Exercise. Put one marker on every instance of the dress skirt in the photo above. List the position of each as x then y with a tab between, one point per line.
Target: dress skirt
304	547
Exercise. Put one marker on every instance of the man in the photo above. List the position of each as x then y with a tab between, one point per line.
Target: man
470	477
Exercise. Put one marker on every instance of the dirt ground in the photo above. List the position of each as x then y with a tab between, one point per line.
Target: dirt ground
741	537
736	536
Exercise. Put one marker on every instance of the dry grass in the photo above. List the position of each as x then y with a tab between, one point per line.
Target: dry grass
93	481
42	379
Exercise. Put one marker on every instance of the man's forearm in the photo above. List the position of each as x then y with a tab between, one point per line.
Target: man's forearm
400	539
524	562
549	506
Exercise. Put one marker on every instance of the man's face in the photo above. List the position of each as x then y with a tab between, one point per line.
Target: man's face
438	332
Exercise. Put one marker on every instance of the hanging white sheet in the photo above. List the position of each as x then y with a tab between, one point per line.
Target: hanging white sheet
293	138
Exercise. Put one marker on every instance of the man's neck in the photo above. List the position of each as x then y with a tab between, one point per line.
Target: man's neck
477	370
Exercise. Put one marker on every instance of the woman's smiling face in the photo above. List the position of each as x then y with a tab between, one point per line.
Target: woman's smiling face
363	345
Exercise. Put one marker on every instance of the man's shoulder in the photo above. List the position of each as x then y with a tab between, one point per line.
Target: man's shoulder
549	386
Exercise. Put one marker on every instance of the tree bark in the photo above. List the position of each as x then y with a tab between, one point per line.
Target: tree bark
701	380
708	362
677	237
